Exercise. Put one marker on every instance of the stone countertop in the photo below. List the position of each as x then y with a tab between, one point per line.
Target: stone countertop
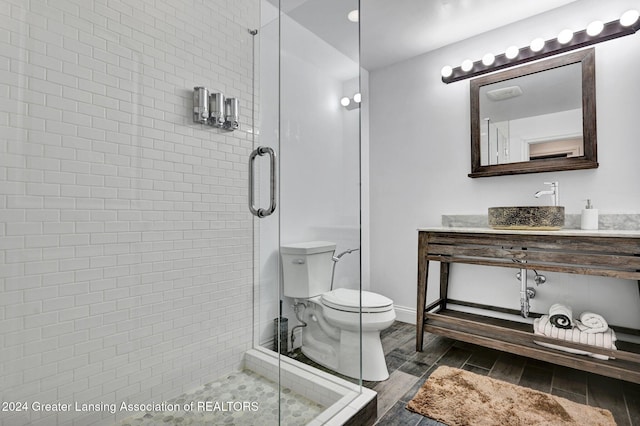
561	232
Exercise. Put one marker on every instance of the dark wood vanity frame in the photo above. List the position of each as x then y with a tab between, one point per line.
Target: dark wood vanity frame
575	253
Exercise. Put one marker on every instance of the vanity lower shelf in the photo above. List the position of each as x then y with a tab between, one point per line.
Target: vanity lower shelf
517	338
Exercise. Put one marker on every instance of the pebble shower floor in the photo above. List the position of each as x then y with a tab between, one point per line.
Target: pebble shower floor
244	387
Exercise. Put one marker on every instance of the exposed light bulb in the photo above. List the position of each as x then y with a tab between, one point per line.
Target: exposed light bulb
595	28
446	71
345	101
354	15
629	18
511	52
565	36
488	59
467	65
537	44
357	98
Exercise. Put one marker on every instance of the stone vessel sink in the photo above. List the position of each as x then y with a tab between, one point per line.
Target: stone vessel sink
546	218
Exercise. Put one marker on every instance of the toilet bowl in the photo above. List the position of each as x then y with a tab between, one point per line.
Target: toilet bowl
343	309
338	321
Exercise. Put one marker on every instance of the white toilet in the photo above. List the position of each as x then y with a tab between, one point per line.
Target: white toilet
332	335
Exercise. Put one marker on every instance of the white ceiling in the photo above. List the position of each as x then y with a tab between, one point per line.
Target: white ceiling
395	30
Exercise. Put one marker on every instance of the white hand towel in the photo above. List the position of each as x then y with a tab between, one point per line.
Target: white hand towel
561	316
592	323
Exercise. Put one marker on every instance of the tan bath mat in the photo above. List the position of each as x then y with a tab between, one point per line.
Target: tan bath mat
460	398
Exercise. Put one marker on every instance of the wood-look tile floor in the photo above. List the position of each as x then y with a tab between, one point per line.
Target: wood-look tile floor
409	369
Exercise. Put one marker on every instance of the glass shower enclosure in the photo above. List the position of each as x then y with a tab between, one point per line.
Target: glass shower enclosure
307	155
135	285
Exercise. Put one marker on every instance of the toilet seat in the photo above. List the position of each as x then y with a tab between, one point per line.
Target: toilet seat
348	300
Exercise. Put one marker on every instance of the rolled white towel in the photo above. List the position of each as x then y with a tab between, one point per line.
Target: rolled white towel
561	316
542	326
592	323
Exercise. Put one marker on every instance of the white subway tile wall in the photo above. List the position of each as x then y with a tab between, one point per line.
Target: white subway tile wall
125	241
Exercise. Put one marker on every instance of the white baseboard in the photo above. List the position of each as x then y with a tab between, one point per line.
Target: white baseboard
405	314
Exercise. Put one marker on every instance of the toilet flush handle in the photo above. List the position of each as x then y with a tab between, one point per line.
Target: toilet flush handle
298	261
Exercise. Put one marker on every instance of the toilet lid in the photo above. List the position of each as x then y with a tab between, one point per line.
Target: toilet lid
345	299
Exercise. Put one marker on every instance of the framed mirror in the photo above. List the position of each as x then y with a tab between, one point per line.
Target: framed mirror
535	118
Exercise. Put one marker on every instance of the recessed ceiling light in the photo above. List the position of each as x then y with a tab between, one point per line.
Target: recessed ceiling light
353	16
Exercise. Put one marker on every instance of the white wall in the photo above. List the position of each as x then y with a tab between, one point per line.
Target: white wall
420	158
318	153
125	241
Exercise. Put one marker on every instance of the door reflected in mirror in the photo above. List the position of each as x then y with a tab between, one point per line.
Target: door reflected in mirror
535	118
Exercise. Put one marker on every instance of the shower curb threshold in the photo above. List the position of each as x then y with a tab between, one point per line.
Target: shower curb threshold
344	400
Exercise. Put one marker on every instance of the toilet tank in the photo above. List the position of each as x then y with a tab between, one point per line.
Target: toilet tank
306	268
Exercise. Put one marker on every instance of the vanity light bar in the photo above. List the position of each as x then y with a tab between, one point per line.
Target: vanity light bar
540	49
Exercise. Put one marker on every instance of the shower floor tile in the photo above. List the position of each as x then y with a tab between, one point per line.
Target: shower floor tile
240	398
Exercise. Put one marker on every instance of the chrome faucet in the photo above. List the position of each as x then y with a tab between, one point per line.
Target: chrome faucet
553	192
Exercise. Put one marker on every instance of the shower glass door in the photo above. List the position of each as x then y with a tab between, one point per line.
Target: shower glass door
308	62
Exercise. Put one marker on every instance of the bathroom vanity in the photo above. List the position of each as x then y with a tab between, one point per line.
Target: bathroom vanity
603	253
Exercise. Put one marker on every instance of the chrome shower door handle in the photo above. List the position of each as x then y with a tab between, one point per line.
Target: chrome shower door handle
256	211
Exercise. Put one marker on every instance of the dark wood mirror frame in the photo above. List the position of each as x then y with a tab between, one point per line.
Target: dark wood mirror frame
590	158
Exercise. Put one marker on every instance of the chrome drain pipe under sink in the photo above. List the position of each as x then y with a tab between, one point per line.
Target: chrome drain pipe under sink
527	293
524	294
